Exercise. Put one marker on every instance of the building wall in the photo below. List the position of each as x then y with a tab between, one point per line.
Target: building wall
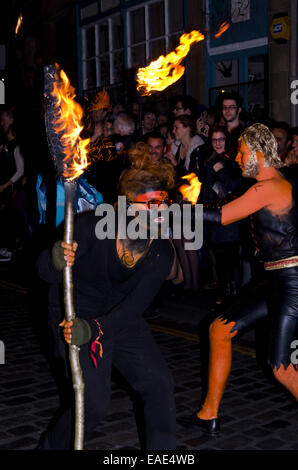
59	39
279	69
238	59
196	70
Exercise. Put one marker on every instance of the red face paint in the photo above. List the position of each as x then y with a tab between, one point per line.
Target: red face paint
152	198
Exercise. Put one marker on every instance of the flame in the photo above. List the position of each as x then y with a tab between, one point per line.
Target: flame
223	27
192	190
19	23
166	70
68	114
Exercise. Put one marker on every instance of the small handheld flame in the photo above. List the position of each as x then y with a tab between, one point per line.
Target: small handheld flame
191	191
166	70
68	115
19	23
223	27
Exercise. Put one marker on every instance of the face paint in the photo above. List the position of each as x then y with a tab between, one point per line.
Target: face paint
152	204
247	160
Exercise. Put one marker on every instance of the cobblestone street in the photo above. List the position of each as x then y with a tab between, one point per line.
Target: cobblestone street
256	414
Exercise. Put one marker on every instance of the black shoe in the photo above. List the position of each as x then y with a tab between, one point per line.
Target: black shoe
209	426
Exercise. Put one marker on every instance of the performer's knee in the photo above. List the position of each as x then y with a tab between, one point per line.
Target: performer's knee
222	330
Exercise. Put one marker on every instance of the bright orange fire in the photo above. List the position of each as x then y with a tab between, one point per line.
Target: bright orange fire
191	191
68	117
166	70
223	27
19	23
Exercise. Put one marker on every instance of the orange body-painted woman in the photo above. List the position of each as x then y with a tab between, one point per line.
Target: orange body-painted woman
271	203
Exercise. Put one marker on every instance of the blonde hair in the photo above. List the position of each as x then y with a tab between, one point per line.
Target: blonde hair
259	138
144	174
139	155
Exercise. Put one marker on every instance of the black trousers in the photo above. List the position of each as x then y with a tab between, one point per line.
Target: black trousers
135	354
279	302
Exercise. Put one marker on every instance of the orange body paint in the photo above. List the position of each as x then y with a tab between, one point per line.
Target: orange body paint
220	361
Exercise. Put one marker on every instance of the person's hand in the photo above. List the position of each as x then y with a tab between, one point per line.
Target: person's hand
169	155
63	254
218	166
66	325
69	252
291	158
76	332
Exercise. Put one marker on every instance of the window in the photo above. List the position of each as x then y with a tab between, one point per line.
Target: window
108	4
153	29
102	53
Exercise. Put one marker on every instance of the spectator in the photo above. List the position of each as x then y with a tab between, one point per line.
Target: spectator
117	109
163	129
98	111
231	109
149	122
222	178
172	143
12	193
108	127
157	145
189	156
185	105
124	126
282	134
187	159
292	157
110	158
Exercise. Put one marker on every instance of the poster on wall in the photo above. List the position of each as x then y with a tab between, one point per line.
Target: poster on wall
240	10
226	73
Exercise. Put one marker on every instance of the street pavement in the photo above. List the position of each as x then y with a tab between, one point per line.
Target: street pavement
256	413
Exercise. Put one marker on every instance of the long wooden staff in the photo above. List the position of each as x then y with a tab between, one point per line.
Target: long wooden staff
62	160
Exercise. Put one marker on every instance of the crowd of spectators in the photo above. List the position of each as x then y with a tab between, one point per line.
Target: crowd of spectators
185	134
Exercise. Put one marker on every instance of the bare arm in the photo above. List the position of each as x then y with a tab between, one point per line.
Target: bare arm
257	197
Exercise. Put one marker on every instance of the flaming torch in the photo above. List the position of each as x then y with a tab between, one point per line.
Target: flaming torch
166	70
63	126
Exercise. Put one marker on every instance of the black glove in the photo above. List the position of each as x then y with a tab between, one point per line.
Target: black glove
212	214
58	256
80	332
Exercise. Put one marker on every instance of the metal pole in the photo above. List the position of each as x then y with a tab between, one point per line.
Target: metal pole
77	378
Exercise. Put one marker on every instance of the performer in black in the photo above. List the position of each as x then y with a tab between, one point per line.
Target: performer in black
115	280
272	205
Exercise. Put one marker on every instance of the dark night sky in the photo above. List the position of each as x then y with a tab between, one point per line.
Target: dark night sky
9	12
